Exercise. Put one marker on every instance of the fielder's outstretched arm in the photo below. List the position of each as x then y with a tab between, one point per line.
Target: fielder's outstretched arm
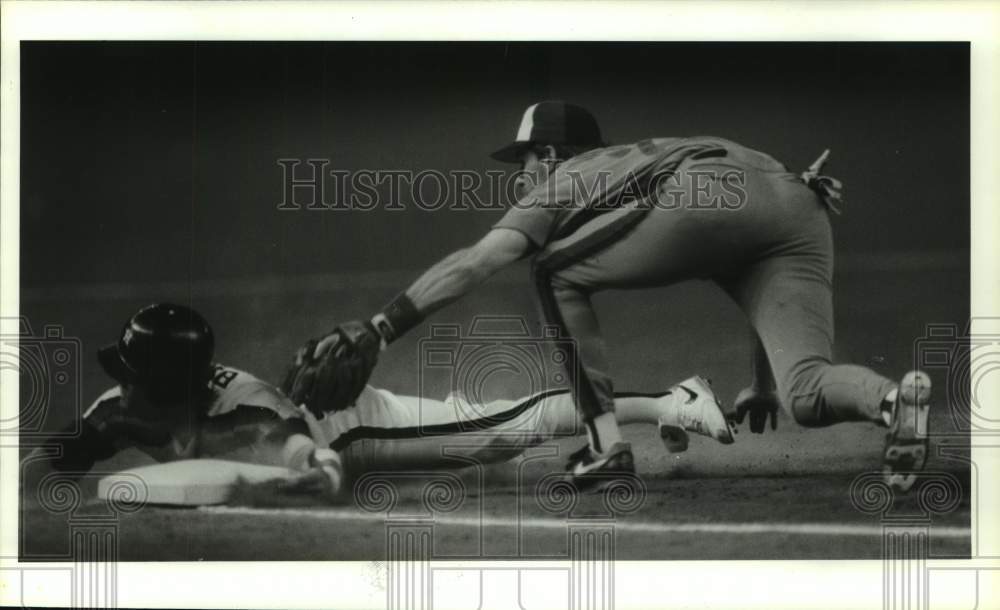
463	270
451	278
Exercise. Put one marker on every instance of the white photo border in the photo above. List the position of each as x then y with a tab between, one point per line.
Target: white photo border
746	584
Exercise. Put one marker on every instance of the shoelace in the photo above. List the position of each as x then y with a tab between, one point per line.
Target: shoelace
826	187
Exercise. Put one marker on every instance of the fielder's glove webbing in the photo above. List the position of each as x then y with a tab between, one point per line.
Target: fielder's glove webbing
826	187
329	373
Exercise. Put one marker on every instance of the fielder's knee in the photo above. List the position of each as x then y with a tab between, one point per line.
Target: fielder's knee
803	395
807	411
821	394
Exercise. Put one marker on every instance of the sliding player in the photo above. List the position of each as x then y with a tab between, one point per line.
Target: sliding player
173	402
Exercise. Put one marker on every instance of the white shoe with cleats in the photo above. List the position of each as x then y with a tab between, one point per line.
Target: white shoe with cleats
906	442
697	410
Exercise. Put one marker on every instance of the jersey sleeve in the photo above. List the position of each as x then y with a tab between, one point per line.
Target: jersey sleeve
252	421
110	393
77	453
541	210
534	222
591	180
232	388
257	435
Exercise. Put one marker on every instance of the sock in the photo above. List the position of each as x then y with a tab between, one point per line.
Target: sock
887	404
603	432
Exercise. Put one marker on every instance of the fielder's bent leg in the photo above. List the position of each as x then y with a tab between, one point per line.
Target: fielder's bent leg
788	299
565	297
587	364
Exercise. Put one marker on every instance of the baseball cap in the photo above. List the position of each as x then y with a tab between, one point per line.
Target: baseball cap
552	122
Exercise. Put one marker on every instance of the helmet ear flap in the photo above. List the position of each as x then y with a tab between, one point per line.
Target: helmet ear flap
112	363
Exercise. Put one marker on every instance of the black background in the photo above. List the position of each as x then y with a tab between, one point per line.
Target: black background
154	161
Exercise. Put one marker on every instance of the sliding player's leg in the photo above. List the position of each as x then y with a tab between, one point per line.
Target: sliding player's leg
385	431
689	406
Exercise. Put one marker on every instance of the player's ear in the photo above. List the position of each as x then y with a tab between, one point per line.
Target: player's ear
549	153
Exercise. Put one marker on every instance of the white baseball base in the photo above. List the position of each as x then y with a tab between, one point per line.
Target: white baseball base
185	482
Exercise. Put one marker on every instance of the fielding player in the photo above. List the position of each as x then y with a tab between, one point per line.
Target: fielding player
657	212
173	402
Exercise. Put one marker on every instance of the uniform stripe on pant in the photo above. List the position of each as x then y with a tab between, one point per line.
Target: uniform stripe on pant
456	427
546	266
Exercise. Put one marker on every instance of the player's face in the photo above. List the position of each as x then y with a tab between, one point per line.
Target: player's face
535	169
136	400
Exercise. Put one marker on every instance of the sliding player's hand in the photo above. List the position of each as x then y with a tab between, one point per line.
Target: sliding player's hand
324	478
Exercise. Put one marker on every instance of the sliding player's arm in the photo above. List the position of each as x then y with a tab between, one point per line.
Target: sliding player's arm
73	451
294	445
279	435
104	429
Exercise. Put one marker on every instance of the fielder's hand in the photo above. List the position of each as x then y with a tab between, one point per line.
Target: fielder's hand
759	405
329	373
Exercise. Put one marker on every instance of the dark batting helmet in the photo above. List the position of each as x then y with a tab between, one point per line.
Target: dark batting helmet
552	123
164	347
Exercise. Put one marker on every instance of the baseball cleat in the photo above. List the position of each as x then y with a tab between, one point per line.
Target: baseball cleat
696	409
906	443
589	471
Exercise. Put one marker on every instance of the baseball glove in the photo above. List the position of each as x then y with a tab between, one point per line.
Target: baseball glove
329	373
